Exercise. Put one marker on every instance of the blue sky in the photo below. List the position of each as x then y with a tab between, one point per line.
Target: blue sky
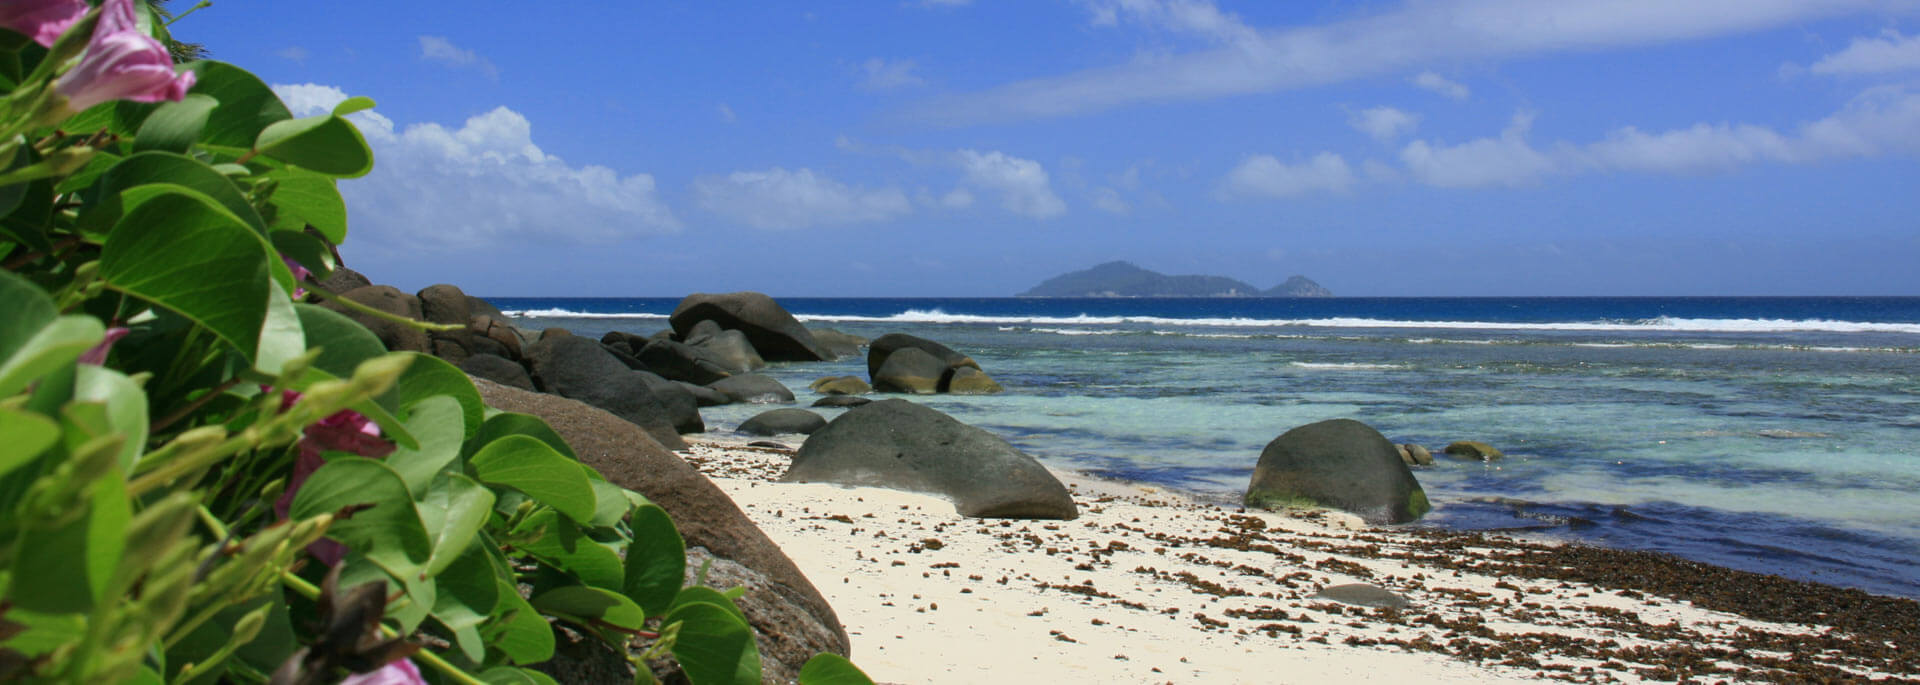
975	148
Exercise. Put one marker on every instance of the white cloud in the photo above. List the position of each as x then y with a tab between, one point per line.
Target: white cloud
958	198
1408	37
1023	184
1265	176
1195	17
1506	160
439	49
1108	200
1880	122
1428	80
881	74
778	198
1888	53
294	53
1383	124
726	113
483	183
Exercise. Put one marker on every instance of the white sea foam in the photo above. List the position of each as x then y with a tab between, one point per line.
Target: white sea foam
1672	324
571	314
1346	366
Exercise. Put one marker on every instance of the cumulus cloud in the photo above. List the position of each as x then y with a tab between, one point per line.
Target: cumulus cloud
1385	42
439	49
1108	200
1266	176
483	183
1022	184
1879	122
958	198
1430	81
1383	124
782	199
1890	52
1193	17
880	74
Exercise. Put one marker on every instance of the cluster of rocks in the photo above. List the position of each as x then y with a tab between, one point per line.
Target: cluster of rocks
1347	465
1462	450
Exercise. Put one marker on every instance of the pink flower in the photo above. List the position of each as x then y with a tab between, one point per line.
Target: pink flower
97	355
41	20
122	63
300	274
343	431
397	672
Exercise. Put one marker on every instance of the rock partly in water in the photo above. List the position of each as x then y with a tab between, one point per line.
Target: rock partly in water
581	369
682	407
842	345
967	380
705	396
910	370
791	620
885	346
753	388
841	401
1362	594
680	362
1469	450
840	385
1416	455
1340	464
497	369
731	351
904	446
783	422
775	334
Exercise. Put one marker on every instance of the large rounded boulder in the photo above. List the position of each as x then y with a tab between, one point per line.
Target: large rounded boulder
884	346
680	362
775	334
753	388
783	422
905	446
910	370
581	369
731	351
1340	464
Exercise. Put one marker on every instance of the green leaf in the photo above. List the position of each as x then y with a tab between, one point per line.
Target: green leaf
609	500
23	436
304	248
24	308
697	594
125	402
187	254
430	376
174	126
411	606
326	144
68	569
516	629
357	103
304	198
714	646
827	668
389	533
435	424
247	105
508	423
562	545
10	196
343	343
453	511
468	592
530	466
52	346
106	203
281	337
590	607
656	561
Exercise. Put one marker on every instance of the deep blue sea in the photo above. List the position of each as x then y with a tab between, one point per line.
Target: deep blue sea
1779	435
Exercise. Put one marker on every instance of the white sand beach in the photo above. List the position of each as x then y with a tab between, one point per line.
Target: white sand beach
1148	586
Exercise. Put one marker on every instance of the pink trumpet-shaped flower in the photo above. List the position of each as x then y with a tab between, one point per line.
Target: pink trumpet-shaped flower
122	63
41	20
300	274
97	355
396	672
343	431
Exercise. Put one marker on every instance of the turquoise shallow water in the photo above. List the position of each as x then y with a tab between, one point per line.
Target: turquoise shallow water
1774	435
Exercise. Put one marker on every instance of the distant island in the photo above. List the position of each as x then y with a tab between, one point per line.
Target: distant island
1125	279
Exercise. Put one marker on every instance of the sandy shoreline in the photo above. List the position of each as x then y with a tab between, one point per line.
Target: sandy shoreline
1147	586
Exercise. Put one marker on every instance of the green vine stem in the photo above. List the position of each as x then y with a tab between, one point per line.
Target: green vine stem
369	311
452	672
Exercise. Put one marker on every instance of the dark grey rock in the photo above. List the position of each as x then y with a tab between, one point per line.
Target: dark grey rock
904	446
884	346
700	332
840	385
791	620
705	396
841	401
753	388
967	380
683	409
910	370
1416	455
479	307
443	303
842	345
499	370
1469	450
783	422
731	351
1341	464
500	332
342	280
385	298
775	334
1362	594
681	362
581	369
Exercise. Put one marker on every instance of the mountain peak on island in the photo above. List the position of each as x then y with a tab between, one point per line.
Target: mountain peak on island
1126	279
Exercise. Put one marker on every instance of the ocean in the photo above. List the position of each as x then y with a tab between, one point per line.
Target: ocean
1778	435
